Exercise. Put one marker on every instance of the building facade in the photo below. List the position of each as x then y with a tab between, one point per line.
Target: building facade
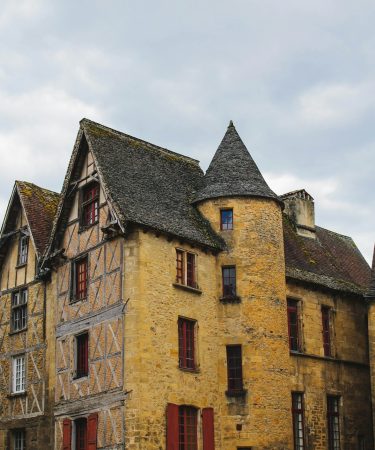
188	311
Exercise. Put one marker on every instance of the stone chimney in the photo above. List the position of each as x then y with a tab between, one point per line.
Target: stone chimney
299	206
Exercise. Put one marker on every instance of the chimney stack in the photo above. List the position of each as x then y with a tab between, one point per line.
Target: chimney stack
299	206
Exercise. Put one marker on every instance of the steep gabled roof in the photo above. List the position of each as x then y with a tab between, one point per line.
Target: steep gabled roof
39	206
331	260
233	172
370	294
145	184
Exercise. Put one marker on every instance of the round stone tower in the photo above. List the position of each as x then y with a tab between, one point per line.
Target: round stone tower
251	295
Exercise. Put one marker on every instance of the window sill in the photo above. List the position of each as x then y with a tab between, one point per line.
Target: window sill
80	378
20	266
17	394
185	287
12	333
185	369
73	301
83	228
230	299
240	393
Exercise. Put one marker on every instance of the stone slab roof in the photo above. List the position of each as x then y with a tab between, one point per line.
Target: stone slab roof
331	260
233	172
150	185
371	290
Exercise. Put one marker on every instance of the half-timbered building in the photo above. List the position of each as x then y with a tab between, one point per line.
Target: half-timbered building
25	401
186	310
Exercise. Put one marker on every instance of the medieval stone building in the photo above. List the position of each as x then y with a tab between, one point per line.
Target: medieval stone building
172	309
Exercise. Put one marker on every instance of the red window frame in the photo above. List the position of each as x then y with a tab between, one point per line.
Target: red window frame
298	420
186	344
234	369
293	325
226	219
229	281
82	355
333	422
326	329
186	268
90	204
80	433
187	428
81	278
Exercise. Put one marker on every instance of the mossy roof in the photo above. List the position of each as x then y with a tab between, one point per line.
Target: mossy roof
330	260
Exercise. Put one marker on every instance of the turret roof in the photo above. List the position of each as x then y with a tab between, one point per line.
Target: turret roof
233	172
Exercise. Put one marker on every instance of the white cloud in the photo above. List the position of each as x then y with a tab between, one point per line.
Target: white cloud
14	10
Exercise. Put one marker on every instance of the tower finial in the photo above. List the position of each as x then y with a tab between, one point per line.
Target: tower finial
231	124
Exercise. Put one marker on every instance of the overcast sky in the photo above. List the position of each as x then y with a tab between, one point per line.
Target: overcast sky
297	78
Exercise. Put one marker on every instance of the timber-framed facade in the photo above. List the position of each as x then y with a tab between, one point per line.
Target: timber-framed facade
171	309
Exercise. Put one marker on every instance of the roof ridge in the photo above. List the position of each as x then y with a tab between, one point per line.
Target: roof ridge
121	134
37	186
336	233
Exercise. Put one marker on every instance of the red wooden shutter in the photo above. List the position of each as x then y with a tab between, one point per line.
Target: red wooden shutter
92	431
208	429
67	434
172	427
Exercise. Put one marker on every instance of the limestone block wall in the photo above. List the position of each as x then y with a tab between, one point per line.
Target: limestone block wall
346	374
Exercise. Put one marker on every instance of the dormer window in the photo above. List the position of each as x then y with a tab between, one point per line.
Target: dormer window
226	219
90	204
23	248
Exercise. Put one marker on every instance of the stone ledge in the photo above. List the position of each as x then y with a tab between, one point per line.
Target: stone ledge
188	288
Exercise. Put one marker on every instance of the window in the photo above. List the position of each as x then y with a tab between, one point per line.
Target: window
186	268
298	421
229	281
18	374
293	326
326	330
19	310
19	440
82	355
80	434
90	204
186	343
23	247
187	428
80	279
333	422
234	369
226	219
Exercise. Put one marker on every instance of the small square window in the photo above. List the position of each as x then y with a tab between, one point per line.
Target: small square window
23	248
19	439
82	355
79	286
226	219
90	204
18	374
19	310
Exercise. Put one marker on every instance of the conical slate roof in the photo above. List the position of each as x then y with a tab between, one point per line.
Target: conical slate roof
233	172
371	290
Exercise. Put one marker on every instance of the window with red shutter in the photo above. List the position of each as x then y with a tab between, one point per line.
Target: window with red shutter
82	355
90	205
80	426
172	427
186	343
67	434
208	429
293	326
187	428
80	274
92	431
326	325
